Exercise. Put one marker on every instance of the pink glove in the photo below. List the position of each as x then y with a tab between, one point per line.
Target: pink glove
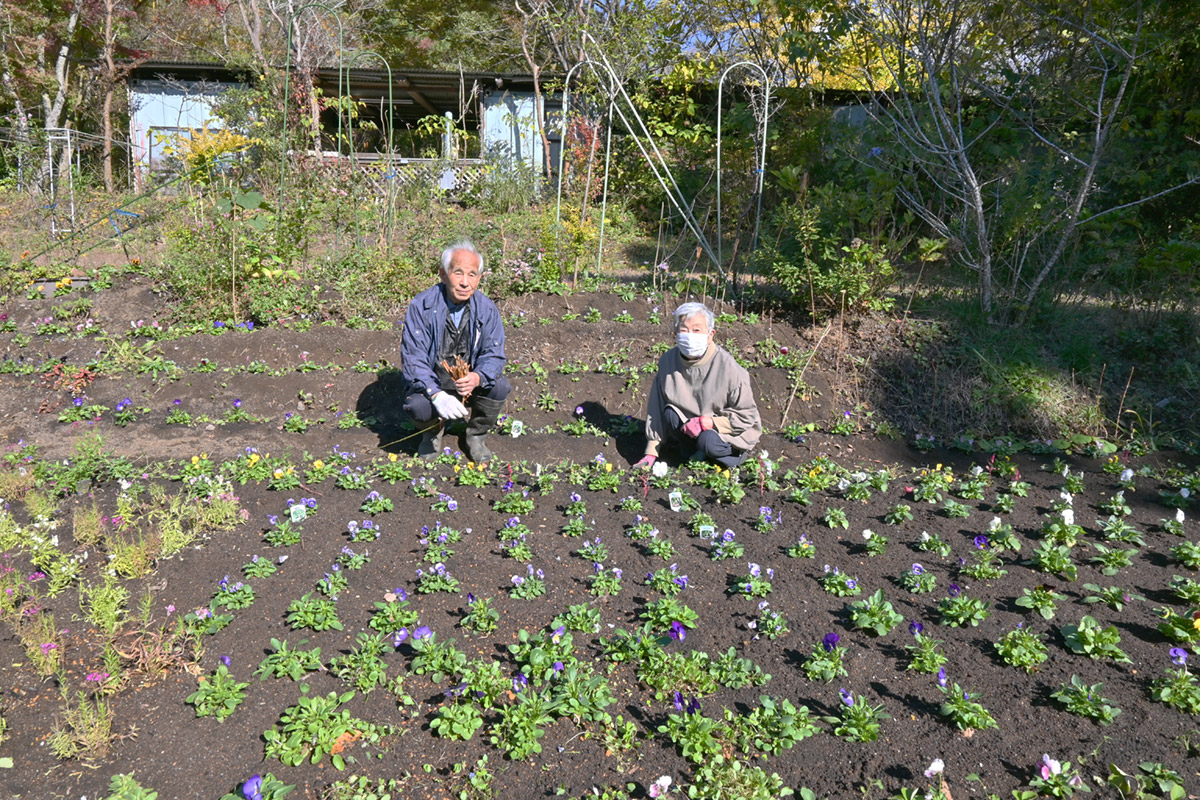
693	427
647	461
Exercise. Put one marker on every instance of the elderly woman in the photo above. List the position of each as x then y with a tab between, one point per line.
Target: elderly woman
701	399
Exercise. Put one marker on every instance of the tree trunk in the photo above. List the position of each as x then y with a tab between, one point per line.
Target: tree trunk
526	32
53	109
110	74
23	135
252	20
314	108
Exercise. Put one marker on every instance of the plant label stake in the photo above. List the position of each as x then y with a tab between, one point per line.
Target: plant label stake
676	500
299	512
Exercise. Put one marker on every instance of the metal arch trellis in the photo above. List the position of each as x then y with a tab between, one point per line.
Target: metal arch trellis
677	199
391	151
640	136
562	153
762	161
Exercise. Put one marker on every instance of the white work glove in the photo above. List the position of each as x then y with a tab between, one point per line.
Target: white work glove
448	406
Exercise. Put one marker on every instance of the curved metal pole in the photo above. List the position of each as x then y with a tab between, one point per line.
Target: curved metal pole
391	109
604	196
677	199
762	139
678	202
562	149
287	68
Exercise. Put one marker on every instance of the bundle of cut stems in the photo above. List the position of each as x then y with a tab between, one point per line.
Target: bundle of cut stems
458	370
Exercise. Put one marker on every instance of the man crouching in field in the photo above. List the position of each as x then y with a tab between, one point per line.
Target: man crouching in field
701	399
452	355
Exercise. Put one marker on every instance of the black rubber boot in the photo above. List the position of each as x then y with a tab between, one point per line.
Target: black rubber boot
430	445
485	413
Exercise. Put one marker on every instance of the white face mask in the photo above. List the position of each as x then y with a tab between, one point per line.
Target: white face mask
692	345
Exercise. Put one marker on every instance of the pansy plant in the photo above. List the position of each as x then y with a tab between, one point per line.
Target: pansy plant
856	720
874	614
770	623
375	503
725	546
437	579
1092	639
1023	649
1085	700
932	543
959	609
1187	554
232	594
1042	599
838	583
606	581
393	612
803	548
528	586
1179	688
917	580
875	544
1055	779
926	651
825	663
962	708
755	583
1113	596
479	616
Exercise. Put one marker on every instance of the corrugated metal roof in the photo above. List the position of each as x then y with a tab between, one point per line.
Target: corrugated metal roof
433	74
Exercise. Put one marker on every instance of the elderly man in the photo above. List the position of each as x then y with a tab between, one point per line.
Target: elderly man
446	323
701	399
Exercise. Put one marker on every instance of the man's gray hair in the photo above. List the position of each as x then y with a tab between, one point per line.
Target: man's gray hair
461	244
689	310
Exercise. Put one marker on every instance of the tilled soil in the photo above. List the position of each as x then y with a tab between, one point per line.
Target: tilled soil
169	749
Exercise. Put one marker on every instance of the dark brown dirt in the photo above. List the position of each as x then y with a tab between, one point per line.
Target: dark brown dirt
184	757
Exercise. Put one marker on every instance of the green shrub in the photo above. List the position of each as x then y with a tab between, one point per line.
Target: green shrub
821	274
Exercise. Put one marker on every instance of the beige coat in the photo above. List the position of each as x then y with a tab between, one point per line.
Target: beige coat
715	386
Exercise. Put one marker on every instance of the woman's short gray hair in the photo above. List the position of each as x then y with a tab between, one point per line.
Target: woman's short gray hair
461	244
689	310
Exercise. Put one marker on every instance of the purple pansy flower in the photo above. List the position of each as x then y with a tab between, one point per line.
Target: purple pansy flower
252	789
